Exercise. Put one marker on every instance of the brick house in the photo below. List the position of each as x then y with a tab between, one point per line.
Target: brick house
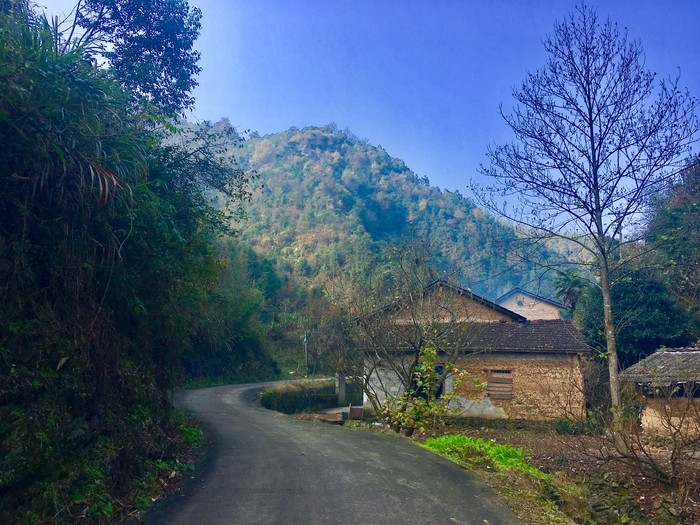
501	364
532	306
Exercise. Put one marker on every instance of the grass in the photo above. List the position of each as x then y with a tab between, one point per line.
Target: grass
190	432
536	497
470	451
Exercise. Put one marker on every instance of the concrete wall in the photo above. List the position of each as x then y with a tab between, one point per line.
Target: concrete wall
384	381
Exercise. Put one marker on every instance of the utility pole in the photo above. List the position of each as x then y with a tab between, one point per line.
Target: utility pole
306	354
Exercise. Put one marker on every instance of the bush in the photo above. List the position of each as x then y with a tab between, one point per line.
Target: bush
564	426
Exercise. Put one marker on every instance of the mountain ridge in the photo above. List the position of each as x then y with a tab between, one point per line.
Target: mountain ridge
329	199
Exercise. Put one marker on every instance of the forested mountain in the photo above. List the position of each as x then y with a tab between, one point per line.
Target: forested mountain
330	201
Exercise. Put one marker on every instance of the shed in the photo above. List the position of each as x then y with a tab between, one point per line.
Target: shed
668	385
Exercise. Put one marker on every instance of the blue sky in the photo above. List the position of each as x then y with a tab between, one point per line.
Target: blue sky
424	79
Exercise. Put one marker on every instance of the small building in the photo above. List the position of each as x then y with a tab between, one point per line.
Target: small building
532	306
668	385
501	365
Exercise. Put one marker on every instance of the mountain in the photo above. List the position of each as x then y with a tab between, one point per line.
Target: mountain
329	201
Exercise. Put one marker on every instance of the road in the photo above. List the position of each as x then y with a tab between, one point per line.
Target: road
263	467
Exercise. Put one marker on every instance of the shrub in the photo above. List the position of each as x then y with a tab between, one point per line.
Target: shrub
305	396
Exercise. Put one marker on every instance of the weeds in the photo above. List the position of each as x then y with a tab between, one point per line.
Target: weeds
535	496
468	451
190	432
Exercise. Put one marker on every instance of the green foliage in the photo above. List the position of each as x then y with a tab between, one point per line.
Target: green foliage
110	278
148	45
647	317
189	430
421	407
469	451
306	396
332	203
673	228
566	427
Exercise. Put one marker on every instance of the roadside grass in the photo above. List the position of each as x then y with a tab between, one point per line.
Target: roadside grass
163	475
536	497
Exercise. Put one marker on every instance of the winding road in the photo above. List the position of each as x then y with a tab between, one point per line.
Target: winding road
267	468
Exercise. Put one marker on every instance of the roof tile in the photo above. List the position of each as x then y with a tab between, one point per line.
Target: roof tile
666	365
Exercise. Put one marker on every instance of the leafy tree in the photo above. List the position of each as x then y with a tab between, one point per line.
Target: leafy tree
647	317
109	276
148	45
673	228
596	137
570	285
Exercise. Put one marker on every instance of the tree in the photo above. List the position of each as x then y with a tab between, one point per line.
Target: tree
646	316
673	227
147	44
403	328
109	277
596	136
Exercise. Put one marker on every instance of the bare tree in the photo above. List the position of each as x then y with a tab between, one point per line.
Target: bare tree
596	136
403	334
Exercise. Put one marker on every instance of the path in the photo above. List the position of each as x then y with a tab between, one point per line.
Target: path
266	468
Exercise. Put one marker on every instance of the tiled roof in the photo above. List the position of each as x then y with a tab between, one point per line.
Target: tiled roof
531	337
546	336
665	366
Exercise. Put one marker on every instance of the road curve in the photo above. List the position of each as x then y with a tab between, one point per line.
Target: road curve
263	467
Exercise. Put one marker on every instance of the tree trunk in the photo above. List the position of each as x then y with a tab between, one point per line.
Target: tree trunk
613	365
611	344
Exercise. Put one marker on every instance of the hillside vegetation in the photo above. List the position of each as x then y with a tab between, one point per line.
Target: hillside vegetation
330	201
113	292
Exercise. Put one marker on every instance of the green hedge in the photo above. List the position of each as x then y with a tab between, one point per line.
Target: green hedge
306	396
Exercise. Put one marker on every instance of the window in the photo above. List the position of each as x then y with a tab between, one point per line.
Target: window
500	383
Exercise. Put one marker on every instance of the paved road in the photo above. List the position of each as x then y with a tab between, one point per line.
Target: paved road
267	468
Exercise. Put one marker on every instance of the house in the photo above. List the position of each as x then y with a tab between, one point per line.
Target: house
532	306
441	301
501	364
668	385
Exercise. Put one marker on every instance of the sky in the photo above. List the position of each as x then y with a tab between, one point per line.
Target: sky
422	78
